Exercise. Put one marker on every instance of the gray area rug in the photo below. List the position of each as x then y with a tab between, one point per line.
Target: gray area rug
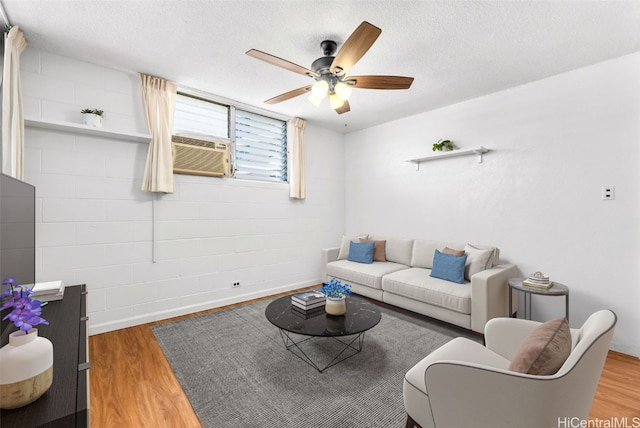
236	372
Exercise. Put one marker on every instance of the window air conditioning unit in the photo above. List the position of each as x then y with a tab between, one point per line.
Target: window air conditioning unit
193	156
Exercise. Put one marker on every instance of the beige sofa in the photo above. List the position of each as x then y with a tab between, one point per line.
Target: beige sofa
404	279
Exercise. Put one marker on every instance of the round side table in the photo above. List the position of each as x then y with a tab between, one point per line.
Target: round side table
556	289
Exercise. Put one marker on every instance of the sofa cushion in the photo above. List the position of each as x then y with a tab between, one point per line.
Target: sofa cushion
448	267
424	250
460	349
544	350
397	250
369	275
360	252
378	250
416	284
343	254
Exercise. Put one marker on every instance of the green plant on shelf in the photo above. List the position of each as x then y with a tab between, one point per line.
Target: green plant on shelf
443	145
92	111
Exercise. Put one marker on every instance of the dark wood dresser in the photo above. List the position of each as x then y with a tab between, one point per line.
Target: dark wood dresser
66	403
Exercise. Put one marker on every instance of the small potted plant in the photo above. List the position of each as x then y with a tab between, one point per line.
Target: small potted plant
92	117
443	146
336	292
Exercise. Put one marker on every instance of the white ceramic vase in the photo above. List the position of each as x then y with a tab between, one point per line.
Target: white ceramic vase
93	120
336	305
26	371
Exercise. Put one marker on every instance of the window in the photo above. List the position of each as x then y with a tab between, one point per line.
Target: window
259	143
201	117
261	147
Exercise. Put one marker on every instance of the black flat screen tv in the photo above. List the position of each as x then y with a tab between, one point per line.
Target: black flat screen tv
17	234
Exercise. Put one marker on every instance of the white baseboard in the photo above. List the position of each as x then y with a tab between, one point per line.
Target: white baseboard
185	310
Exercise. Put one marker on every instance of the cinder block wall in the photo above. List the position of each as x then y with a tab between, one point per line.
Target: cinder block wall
95	225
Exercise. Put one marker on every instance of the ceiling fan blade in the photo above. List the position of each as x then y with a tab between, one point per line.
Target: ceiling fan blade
343	108
355	47
289	95
380	82
279	62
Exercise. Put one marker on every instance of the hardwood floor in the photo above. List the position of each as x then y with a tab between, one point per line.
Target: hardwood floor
132	384
618	393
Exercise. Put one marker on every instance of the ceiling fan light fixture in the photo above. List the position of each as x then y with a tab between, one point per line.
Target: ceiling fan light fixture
343	91
335	101
315	100
320	89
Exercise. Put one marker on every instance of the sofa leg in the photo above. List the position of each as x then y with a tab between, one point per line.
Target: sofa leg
411	423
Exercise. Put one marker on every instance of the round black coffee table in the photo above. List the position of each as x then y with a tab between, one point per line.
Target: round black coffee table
361	316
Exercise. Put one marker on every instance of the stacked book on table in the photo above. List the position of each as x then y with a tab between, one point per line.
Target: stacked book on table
307	300
308	313
538	280
48	291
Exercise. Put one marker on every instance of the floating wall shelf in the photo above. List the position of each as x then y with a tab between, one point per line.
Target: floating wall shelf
451	154
78	128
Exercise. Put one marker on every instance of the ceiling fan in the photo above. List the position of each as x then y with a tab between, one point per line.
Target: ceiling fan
330	71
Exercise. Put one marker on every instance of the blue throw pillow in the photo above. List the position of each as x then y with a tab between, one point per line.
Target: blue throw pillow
448	267
361	253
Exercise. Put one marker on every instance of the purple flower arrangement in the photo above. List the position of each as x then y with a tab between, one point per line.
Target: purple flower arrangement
336	289
26	311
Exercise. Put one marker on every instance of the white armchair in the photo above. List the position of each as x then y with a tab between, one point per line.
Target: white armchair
464	384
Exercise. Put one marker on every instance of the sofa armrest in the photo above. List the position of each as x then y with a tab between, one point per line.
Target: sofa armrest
490	295
504	335
327	255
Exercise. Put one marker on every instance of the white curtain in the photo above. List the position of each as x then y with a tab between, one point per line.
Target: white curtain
159	97
12	113
295	141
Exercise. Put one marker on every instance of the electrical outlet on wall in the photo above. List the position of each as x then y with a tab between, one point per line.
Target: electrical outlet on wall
608	193
236	284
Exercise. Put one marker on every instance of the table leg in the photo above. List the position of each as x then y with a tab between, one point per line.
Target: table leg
354	344
510	310
566	306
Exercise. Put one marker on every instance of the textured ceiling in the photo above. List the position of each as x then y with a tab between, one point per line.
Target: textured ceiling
456	50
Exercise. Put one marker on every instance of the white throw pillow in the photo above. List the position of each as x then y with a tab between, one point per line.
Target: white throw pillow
477	260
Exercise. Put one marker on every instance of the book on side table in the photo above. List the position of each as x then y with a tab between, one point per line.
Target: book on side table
537	280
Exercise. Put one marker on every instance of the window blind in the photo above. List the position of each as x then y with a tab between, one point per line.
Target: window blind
261	147
197	116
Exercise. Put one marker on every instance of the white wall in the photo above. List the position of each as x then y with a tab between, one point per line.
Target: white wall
95	225
554	143
537	196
